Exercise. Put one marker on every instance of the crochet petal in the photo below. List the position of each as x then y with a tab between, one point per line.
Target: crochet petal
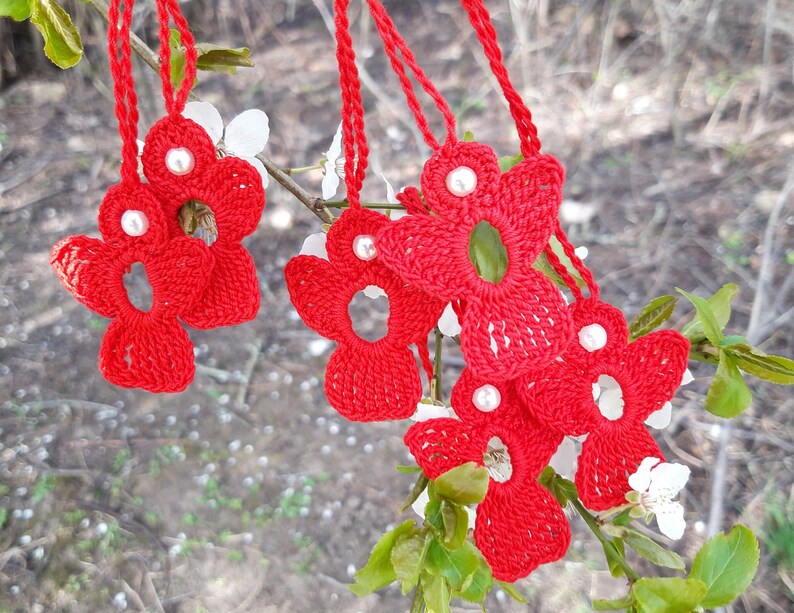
179	273
153	354
608	458
589	312
518	529
468	386
429	253
86	267
131	199
314	289
232	296
342	235
481	159
439	445
653	367
517	328
368	385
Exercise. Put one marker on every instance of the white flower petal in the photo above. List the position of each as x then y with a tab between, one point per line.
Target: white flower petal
596	391
420	503
668	479
564	459
330	181
660	419
448	322
390	195
315	245
610	402
260	167
140	144
247	134
335	151
207	116
429	411
687	378
670	519
373	292
640	481
581	252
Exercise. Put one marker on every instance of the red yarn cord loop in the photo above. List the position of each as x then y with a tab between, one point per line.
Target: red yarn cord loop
394	42
354	139
577	262
126	107
167	9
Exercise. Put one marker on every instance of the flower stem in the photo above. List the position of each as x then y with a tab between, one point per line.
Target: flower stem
435	384
592	523
418	602
616	511
344	204
300	169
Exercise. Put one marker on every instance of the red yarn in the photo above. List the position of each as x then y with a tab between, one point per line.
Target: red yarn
150	349
508	327
232	188
167	9
364	381
519	525
649	371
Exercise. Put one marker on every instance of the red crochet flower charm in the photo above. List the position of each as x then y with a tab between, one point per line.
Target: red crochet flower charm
150	349
640	376
510	326
519	525
364	381
181	164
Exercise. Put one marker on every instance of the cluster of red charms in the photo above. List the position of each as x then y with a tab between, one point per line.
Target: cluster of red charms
533	361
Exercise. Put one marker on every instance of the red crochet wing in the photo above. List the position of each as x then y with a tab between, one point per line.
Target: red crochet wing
143	352
232	296
517	530
608	458
439	445
365	384
82	265
178	271
518	330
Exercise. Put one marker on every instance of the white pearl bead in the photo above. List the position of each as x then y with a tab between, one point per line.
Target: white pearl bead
486	398
134	223
593	337
462	181
364	247
180	161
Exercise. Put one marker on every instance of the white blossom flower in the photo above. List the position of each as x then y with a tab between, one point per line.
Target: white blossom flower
315	245
661	419
332	166
564	459
655	484
420	504
448	322
245	136
427	410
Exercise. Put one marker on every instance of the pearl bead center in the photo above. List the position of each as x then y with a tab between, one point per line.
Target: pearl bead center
462	181
593	337
364	247
134	223
486	398
180	161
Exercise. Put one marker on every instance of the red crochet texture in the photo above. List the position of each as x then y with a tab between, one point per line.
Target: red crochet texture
519	525
507	327
649	371
232	189
364	381
150	349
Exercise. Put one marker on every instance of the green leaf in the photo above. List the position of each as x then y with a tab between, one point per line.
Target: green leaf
379	570
767	367
416	491
478	585
668	595
456	566
708	319
222	59
18	10
407	558
512	591
408	470
618	604
468	136
652	316
720	304
651	550
508	161
728	395
726	565
177	58
456	524
543	265
487	252
614	555
62	42
465	484
436	593
562	489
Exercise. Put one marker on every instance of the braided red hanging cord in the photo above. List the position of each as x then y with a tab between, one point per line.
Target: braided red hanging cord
480	19
392	42
166	9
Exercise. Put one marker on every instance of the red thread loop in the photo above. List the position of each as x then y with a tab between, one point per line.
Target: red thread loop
392	43
167	9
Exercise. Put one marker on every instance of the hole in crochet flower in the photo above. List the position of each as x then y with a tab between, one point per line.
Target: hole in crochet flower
608	395
497	461
198	220
487	252
369	316
139	291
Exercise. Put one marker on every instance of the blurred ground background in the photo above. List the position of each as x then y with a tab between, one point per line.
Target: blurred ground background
247	492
